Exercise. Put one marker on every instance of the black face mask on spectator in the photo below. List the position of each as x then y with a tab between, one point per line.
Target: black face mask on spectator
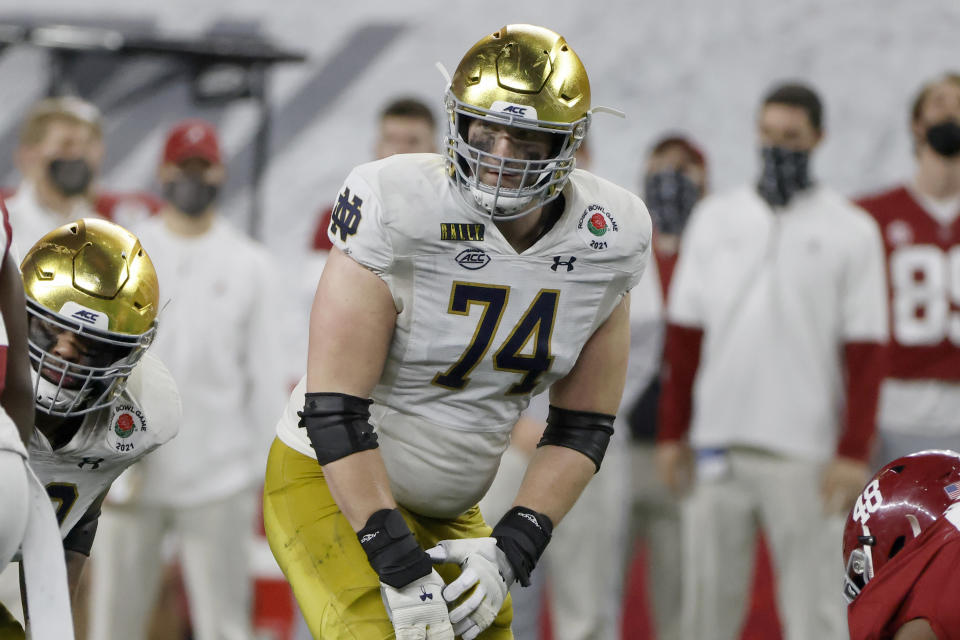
670	197
70	177
785	173
944	138
190	194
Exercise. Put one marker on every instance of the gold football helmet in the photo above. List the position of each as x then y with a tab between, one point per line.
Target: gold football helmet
527	78
92	298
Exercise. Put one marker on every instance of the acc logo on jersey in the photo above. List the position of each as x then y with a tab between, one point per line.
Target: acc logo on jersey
597	227
126	425
473	259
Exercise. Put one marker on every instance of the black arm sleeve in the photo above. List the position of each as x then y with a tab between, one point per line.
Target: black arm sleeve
337	425
583	431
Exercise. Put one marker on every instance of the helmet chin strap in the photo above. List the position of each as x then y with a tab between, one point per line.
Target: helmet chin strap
868	554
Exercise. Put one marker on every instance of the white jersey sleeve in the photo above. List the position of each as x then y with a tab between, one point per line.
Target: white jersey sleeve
358	225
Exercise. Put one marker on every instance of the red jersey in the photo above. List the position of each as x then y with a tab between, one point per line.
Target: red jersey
321	239
665	265
920	582
923	272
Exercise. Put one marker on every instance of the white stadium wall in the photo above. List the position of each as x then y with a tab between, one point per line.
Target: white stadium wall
698	66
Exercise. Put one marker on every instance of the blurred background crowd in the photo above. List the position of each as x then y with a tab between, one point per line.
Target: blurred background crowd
220	132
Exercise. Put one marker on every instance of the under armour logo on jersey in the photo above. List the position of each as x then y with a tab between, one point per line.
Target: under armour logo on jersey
424	596
346	215
558	261
93	462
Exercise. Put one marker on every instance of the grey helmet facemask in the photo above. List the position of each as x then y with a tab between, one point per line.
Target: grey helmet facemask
63	388
540	180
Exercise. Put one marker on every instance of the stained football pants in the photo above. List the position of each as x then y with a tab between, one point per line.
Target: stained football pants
337	590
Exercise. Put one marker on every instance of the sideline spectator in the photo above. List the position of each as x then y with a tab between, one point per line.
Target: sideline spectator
219	342
777	312
920	400
59	157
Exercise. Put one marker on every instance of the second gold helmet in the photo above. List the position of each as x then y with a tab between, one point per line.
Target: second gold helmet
93	280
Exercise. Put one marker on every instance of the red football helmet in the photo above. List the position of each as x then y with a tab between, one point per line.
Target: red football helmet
901	500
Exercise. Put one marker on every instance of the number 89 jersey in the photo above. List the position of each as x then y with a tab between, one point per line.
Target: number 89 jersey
480	327
923	259
924	264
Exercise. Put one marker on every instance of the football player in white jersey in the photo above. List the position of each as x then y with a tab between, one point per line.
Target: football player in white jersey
101	401
459	285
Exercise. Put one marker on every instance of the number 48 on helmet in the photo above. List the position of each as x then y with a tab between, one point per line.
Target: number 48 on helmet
900	502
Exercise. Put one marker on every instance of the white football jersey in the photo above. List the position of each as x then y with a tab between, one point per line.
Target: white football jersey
480	327
146	415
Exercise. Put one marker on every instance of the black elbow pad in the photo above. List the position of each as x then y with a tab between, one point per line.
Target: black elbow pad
80	538
584	431
337	424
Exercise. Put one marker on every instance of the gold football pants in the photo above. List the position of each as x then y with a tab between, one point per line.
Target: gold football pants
10	629
318	551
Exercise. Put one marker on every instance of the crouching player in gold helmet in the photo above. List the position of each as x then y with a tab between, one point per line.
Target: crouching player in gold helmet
102	402
459	285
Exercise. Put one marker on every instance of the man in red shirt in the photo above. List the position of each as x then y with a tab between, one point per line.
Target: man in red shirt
920	398
901	548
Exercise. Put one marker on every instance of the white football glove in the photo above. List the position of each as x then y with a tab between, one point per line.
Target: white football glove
417	610
485	570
